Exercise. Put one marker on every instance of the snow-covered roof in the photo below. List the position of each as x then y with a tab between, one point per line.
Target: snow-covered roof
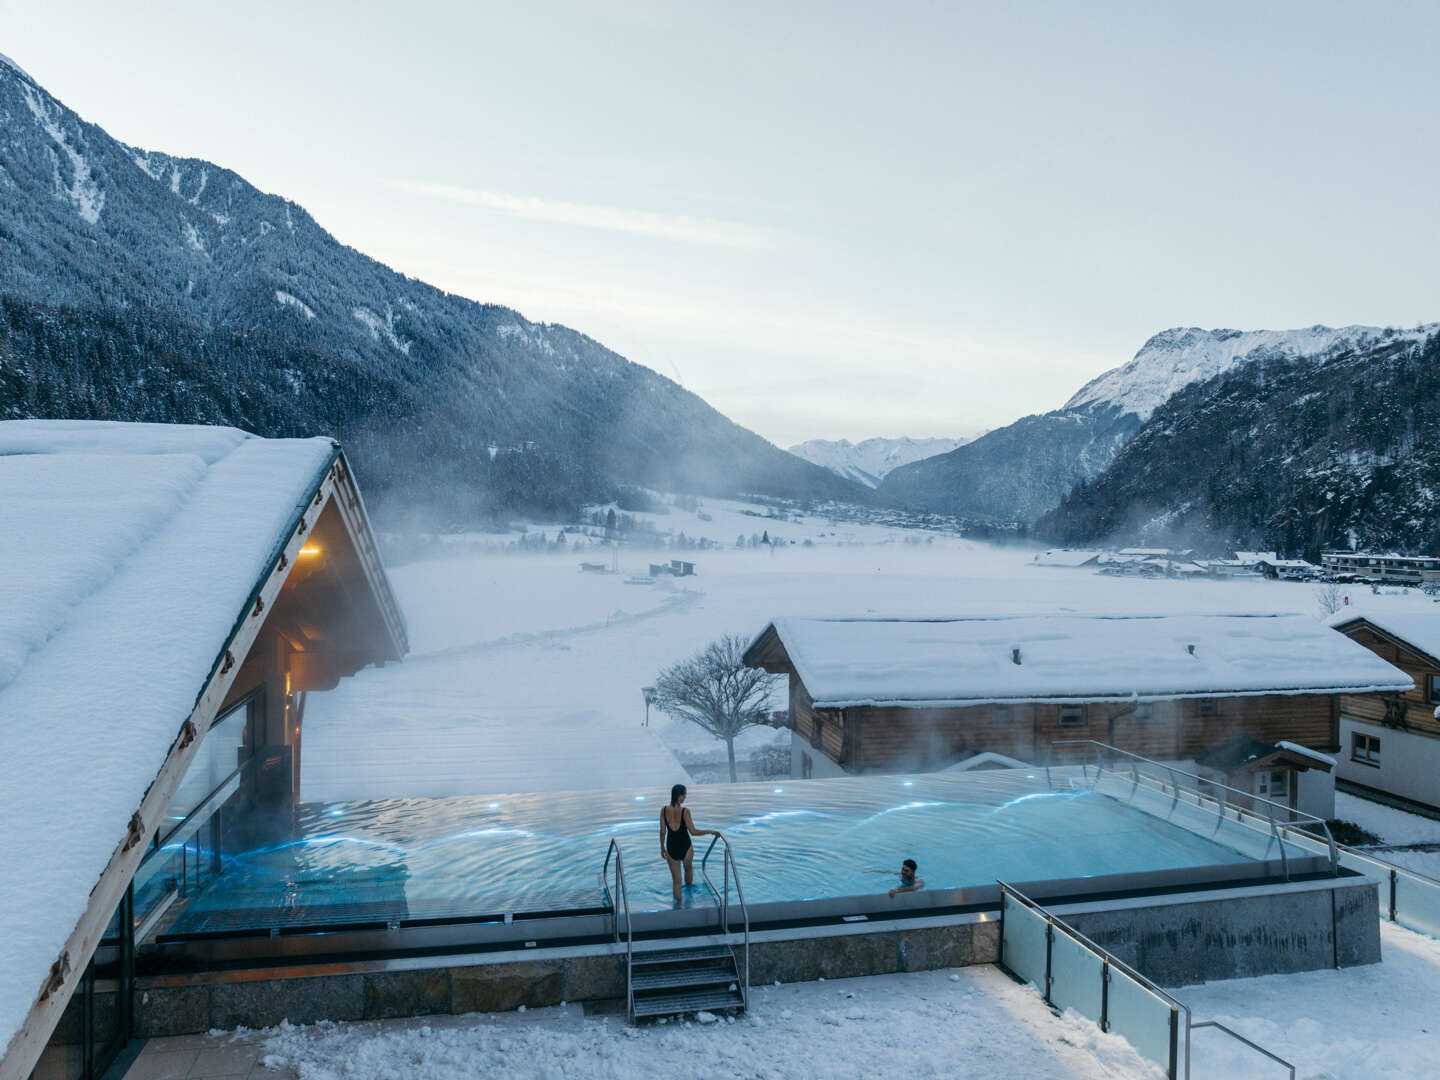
1065	557
1420	629
1254	556
1068	658
1305	751
129	553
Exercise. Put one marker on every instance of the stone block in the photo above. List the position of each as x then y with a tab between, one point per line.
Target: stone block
944	946
266	1002
502	987
406	993
590	978
1357	926
171	1010
829	957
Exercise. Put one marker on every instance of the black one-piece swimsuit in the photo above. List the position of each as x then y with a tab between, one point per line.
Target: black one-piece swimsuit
677	841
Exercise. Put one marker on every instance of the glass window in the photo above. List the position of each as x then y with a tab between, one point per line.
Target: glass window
1365	749
1433	682
225	749
1072	715
1001	714
1144	711
1209	707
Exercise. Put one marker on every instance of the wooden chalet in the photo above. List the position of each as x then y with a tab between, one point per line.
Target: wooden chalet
878	695
180	590
1391	744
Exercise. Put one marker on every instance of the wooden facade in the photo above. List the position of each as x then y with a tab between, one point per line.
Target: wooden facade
1413	711
884	739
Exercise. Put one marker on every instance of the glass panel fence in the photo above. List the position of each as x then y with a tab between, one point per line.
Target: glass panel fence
1417	904
1024	942
1142	1017
1076	977
225	748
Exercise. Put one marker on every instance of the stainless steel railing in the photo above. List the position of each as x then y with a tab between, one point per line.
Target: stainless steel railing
723	899
619	899
1206	791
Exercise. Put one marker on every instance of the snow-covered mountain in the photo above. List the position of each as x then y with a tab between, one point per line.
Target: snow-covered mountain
1174	359
137	285
866	462
1020	471
1298	454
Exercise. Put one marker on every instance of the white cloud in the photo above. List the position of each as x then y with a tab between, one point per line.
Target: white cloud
694	230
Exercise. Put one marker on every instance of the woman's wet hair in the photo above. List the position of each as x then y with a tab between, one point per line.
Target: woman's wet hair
909	864
676	792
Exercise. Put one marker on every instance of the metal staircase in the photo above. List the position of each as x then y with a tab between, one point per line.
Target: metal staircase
665	982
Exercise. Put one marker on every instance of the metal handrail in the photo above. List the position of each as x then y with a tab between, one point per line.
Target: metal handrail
1110	962
1214	785
1241	1038
730	871
624	901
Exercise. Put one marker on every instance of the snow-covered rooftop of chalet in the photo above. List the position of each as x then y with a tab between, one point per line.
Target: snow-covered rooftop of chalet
1419	628
846	663
127	553
1065	557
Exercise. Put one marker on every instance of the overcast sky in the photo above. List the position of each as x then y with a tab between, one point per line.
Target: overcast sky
826	219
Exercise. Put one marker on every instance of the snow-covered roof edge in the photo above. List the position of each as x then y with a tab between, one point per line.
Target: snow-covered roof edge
1305	751
800	665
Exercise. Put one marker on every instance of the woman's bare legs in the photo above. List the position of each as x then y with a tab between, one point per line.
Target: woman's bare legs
675	874
689	868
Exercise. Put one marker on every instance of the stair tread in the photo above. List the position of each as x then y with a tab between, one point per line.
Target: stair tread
692	1001
675	956
657	980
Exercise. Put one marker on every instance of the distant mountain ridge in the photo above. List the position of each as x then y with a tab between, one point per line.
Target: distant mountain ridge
253	315
868	461
1021	471
1292	453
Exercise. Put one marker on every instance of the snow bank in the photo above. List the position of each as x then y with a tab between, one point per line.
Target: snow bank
1066	657
130	552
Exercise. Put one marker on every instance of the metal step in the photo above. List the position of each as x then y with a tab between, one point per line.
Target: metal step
680	978
684	956
689	1002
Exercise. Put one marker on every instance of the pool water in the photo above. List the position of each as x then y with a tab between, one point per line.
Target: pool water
793	840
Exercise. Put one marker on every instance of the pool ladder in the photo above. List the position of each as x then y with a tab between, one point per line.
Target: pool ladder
670	981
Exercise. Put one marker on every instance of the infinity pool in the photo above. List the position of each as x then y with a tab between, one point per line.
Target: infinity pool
406	859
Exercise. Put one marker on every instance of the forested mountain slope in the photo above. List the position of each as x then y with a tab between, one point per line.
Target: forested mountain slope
1020	471
1296	455
145	286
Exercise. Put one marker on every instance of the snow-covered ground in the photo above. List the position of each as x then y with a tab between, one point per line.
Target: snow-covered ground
1356	1022
1350	1024
972	1022
526	674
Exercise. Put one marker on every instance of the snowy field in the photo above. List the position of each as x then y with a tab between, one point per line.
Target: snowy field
526	674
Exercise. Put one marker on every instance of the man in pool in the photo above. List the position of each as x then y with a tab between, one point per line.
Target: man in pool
908	881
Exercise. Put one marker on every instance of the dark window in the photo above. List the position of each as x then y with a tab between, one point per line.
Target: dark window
1144	711
1209	707
1072	715
1433	682
1365	749
1001	714
807	766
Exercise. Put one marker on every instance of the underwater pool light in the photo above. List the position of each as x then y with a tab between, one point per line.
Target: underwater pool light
337	812
639	798
492	805
907	783
777	791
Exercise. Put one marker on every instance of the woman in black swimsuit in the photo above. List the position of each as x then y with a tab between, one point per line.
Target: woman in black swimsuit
676	828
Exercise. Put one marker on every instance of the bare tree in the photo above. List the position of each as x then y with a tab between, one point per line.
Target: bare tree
1330	597
715	690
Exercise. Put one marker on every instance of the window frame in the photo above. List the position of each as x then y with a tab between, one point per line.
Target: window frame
1072	716
1365	749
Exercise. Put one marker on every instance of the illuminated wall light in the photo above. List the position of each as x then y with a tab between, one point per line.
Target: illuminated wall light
310	549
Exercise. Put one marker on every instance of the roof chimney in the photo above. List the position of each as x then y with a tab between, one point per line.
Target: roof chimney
1015	655
1190	649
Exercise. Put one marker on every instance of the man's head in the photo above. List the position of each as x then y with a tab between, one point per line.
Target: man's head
907	870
